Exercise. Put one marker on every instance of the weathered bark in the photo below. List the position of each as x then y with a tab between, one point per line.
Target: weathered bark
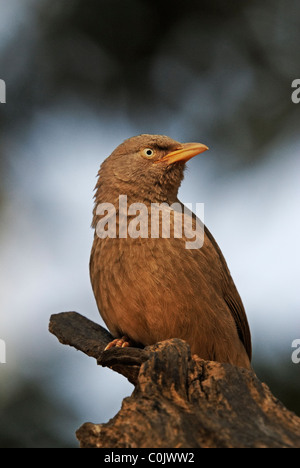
179	400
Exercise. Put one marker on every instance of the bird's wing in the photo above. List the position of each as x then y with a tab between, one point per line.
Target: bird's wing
232	298
229	291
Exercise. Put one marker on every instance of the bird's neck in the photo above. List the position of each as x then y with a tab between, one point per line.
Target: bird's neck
127	195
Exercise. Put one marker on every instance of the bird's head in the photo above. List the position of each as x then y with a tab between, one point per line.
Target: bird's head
146	168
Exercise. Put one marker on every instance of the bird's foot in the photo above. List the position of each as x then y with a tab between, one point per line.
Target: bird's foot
123	342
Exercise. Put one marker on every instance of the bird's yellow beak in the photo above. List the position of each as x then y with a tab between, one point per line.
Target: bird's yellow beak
184	153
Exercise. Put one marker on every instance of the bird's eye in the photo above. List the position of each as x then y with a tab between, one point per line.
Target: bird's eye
148	152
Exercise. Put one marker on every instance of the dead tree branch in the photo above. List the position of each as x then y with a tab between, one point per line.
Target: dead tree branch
179	400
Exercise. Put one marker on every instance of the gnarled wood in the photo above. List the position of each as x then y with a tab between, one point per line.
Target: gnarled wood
179	400
81	333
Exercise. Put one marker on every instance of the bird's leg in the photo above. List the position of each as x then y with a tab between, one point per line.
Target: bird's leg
118	343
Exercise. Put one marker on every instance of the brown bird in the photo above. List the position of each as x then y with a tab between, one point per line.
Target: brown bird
150	289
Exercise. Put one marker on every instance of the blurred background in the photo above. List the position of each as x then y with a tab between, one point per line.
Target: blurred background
82	76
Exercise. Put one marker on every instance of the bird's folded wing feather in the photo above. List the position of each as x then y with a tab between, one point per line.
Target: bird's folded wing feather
232	298
229	291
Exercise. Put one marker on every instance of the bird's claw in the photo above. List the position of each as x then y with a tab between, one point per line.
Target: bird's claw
118	343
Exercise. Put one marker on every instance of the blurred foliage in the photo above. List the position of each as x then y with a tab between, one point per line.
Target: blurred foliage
30	418
221	70
224	69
